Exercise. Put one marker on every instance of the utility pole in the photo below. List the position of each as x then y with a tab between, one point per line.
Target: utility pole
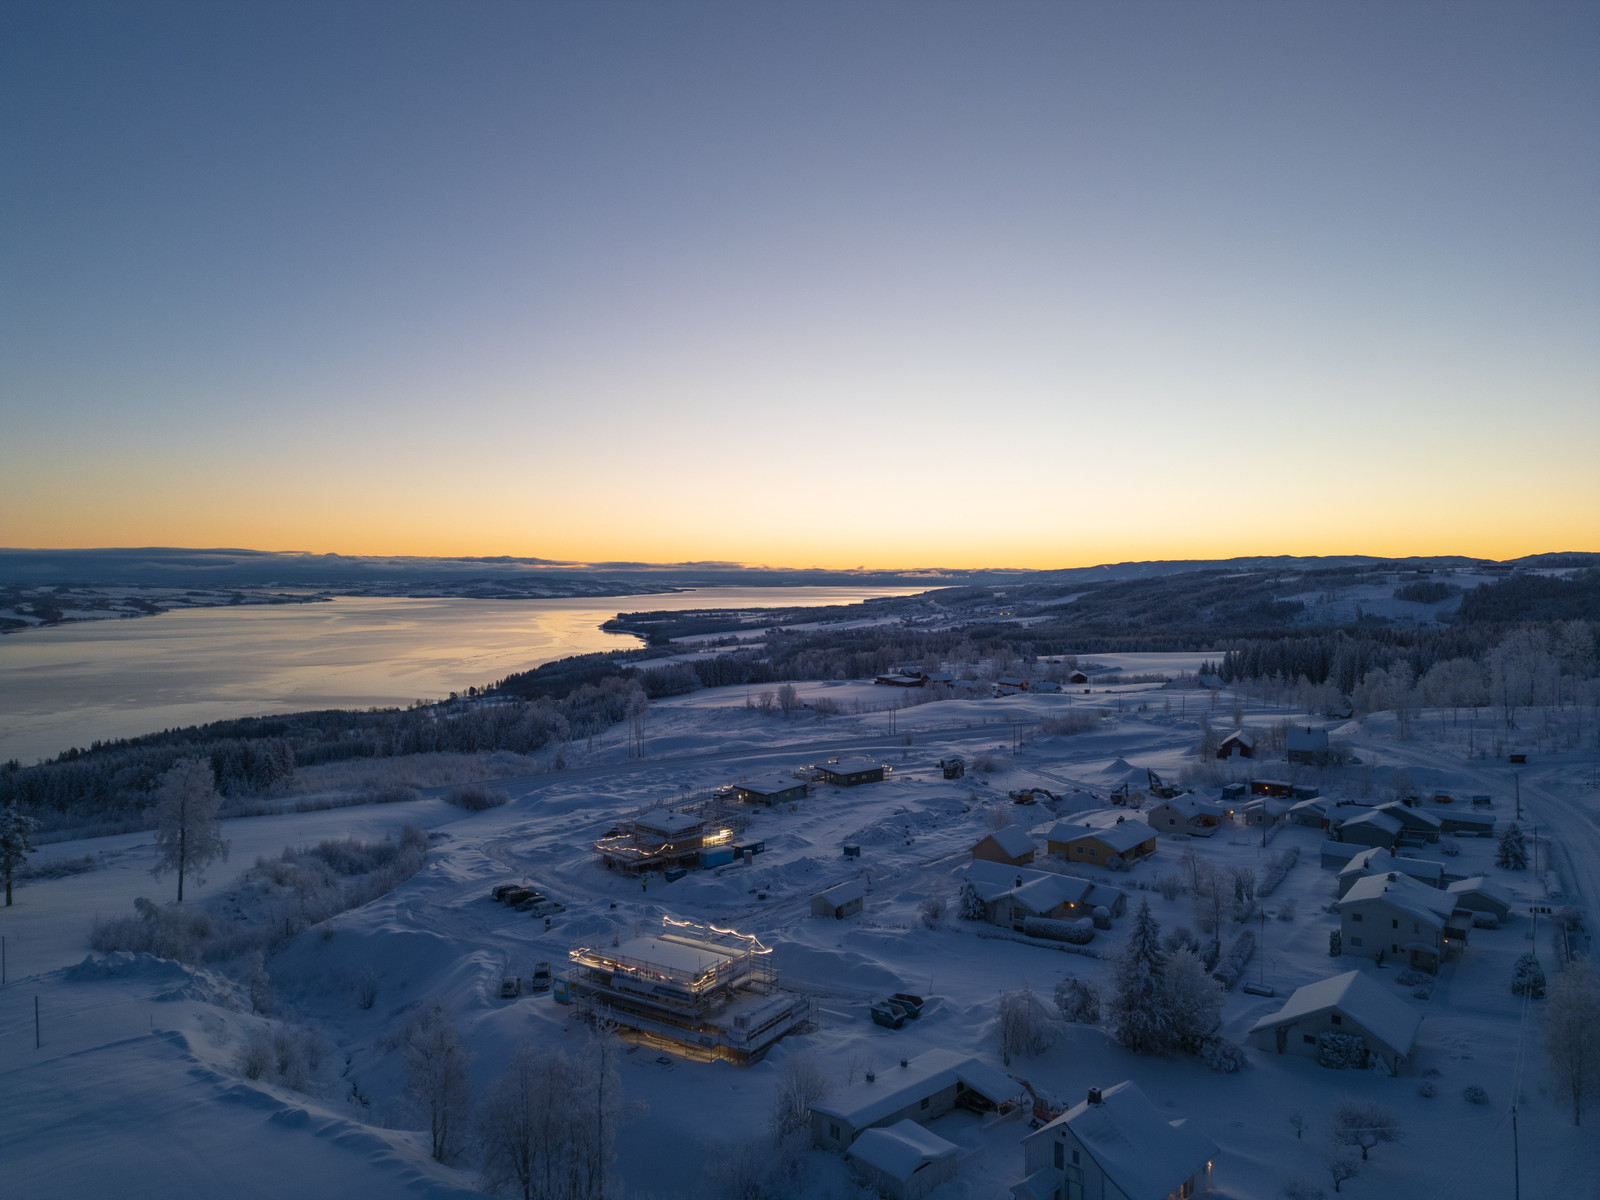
1516	1154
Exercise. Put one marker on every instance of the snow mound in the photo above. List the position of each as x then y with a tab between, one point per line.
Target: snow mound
123	964
832	971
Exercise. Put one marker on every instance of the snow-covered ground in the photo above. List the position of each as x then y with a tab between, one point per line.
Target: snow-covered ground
135	1080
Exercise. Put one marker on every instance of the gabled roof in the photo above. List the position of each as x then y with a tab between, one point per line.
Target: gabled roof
865	1104
1046	890
1303	737
1379	859
1408	815
841	894
1191	807
1321	803
1040	891
1125	835
1479	886
1423	902
1372	816
1012	840
1365	1001
1143	1153
899	1149
1244	737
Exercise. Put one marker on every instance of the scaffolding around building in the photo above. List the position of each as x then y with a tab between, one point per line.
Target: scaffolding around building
700	831
708	992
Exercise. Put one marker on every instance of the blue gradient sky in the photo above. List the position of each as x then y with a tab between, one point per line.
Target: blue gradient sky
811	284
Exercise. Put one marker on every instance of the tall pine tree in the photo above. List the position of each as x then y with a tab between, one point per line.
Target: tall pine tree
1139	1013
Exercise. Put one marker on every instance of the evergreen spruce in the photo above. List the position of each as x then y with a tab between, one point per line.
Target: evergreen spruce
1513	852
1139	1013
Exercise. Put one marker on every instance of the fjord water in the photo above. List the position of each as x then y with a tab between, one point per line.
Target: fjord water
70	685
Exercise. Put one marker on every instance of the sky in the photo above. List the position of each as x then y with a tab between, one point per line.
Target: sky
802	284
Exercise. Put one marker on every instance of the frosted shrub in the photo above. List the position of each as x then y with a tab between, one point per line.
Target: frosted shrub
1427	1089
475	797
1485	920
931	910
1223	1056
1077	933
367	988
1527	978
1170	886
1341	1051
1335	944
1239	953
1101	917
1079	1001
1299	1189
1473	1094
1181	938
971	906
1022	1025
1286	909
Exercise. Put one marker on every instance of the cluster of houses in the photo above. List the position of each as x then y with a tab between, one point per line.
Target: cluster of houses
1115	1143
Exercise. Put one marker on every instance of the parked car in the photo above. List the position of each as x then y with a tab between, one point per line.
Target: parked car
510	987
541	978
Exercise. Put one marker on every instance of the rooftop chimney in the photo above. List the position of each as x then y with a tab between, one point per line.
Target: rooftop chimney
1094	1095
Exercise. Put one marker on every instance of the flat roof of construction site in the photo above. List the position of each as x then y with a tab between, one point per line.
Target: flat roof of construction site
672	956
667	821
770	783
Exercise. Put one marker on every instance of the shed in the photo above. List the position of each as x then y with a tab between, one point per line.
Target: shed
903	1161
1241	743
840	901
1352	1003
1011	845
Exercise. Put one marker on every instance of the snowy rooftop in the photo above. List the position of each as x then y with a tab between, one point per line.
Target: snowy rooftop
1142	1152
769	784
1402	891
851	765
1378	859
1372	816
1408	815
672	956
669	822
843	893
899	1149
1479	885
1193	806
1123	836
1013	840
1362	999
1302	737
1039	890
895	1088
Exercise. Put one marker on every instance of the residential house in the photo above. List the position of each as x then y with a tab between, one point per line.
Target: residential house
1116	1145
1476	895
903	1161
1077	677
1464	821
851	770
661	839
1010	685
1011	895
1127	841
1334	855
1012	845
1393	917
1352	1003
1307	746
1369	827
1278	789
1259	809
1188	815
840	901
920	1089
908	679
776	787
1239	744
1418	824
1312	812
1377	861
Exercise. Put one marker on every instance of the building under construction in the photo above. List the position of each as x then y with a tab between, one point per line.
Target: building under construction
704	992
688	836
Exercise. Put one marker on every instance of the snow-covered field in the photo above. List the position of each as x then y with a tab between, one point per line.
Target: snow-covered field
134	1087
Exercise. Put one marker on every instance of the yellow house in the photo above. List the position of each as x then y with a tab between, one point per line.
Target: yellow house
1126	841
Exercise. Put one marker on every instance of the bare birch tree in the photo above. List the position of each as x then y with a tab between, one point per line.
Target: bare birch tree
188	836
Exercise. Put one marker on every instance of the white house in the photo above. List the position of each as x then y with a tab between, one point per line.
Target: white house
1187	814
1012	845
903	1161
1126	841
1116	1145
1306	745
1352	1003
1013	894
919	1089
1394	917
1369	827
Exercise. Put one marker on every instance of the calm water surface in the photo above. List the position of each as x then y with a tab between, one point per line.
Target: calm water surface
73	684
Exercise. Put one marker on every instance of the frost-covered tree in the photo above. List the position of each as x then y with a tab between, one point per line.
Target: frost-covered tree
1513	851
188	836
1138	1006
1210	898
801	1083
1364	1124
1079	1001
1527	977
1572	1035
1342	1166
1194	1001
972	907
1335	943
521	1126
436	1081
16	843
1022	1024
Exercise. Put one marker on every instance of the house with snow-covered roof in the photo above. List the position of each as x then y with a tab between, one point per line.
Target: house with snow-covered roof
848	771
1011	895
1377	861
1116	1145
1187	815
1393	917
1354	1004
1012	845
840	901
1312	812
1476	894
903	1161
920	1089
1305	745
1241	743
1126	841
775	787
1369	827
1418	824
